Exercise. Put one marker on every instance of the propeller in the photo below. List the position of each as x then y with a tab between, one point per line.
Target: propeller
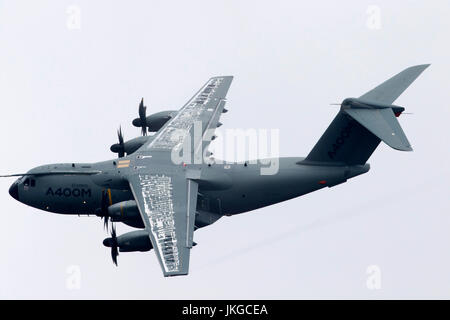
112	243
103	210
121	143
142	120
119	147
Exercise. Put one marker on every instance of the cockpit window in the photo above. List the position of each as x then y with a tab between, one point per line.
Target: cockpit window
29	182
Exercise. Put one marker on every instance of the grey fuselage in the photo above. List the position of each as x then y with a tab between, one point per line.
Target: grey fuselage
224	189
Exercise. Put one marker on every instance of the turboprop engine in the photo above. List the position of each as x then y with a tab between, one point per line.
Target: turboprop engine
153	122
130	146
128	242
126	212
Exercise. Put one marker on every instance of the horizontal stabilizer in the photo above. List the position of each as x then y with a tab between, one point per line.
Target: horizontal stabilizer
383	124
391	89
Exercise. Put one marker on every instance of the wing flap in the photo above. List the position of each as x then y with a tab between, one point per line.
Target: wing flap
192	190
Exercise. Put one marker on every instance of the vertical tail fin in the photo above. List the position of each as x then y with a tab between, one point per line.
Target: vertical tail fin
362	123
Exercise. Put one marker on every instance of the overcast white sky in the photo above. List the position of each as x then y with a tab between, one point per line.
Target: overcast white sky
64	92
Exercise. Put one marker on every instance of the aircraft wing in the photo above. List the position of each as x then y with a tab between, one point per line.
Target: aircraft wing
167	203
165	191
192	128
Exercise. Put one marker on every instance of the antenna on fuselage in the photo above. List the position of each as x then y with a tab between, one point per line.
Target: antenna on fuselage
14	175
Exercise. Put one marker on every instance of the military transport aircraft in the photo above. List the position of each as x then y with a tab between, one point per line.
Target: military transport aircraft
167	200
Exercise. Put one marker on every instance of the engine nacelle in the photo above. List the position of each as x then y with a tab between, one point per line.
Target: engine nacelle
130	146
110	179
155	121
126	212
131	241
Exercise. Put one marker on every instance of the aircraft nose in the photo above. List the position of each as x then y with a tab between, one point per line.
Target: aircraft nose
14	191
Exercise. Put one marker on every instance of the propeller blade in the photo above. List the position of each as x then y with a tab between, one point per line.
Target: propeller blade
105	205
112	243
120	135
113	233
143	117
114	247
114	254
103	210
105	222
119	148
121	143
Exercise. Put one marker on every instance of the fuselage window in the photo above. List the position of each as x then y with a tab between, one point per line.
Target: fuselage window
33	182
26	182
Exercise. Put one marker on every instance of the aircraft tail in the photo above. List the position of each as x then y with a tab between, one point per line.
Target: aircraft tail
362	123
